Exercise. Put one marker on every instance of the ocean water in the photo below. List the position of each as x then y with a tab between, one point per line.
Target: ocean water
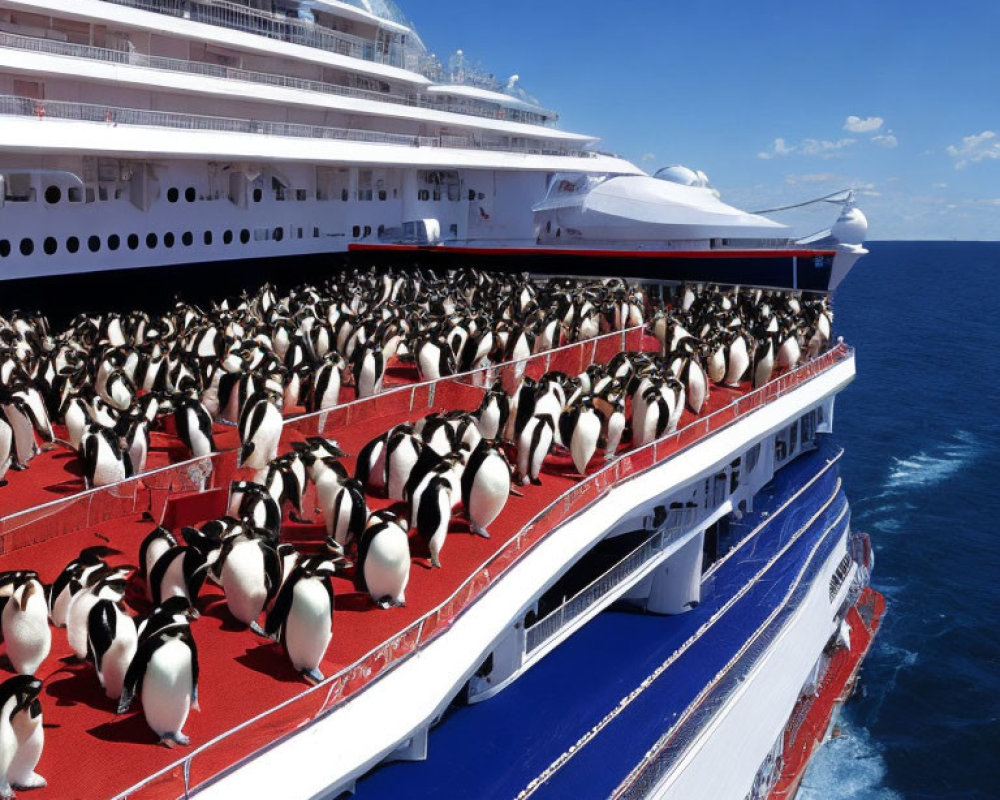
921	426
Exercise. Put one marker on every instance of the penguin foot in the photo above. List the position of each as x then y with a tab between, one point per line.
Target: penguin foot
255	627
313	675
525	480
33	781
480	532
6	791
435	562
536	482
3	483
175	739
18	466
385	603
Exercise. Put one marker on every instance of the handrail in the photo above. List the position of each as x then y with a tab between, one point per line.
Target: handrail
307	706
135	59
115	115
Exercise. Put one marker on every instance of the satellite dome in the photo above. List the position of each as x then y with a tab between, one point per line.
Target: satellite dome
679	174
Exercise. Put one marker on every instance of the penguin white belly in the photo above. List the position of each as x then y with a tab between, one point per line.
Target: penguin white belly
266	439
717	365
60	608
30	737
243	582
584	441
115	662
400	465
539	453
200	444
738	362
387	565
167	687
789	353
307	629
27	634
616	426
109	468
489	494
76	423
650	422
327	488
173	583
488	422
25	446
697	387
138	453
331	397
76	621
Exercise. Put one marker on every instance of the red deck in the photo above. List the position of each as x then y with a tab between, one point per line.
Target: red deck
242	676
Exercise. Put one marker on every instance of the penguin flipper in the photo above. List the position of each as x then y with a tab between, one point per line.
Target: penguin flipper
135	673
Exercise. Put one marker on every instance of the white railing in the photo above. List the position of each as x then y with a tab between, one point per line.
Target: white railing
136	59
681	522
115	115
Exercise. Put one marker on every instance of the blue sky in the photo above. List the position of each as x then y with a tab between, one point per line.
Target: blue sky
777	102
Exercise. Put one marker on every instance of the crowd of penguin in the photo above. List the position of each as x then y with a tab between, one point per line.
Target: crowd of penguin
111	378
434	471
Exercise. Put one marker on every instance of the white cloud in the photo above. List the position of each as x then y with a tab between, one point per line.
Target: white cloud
807	147
975	148
940	185
815	177
888	140
867	125
647	157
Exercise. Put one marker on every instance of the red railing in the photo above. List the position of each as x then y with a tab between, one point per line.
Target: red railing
220	754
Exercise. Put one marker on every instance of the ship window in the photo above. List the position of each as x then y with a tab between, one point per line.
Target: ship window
368	231
356	231
227	237
150	240
753	456
300	195
90	195
102	192
423	194
472	195
258	194
793	436
133	241
381	230
315	233
50	245
839	574
168	239
4	248
53	194
190	194
74	195
94	244
382	194
244	236
172	194
27	247
114	241
454	229
437	195
279	234
344	195
207	238
187	238
72	244
298	233
261	234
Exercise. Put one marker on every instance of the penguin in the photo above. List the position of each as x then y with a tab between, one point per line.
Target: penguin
249	571
164	674
18	415
22	735
485	487
119	391
402	451
655	419
173	612
789	351
178	572
105	463
135	440
325	392
435	359
383	566
533	445
286	479
72	579
104	583
6	447
251	502
695	384
111	643
581	428
737	360
260	428
302	616
194	426
154	545
350	512
370	464
297	382
763	362
437	434
369	369
26	626
432	515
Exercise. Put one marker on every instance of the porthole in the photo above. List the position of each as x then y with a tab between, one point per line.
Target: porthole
279	234
172	194
168	239
244	236
187	238
472	195
190	194
94	244
50	245
72	244
258	194
207	238
4	248
27	247
53	194
151	240
343	195
356	231
368	231
133	241
382	194
114	241
227	237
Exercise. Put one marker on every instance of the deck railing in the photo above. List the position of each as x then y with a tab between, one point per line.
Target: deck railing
150	492
113	116
34	44
548	626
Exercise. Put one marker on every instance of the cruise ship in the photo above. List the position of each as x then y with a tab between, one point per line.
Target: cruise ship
680	619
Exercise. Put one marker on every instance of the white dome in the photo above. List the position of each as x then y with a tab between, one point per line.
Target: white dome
851	227
685	176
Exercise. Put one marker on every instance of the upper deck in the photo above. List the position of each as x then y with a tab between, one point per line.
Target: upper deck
249	695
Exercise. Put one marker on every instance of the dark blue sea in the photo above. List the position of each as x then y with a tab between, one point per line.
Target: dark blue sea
921	425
